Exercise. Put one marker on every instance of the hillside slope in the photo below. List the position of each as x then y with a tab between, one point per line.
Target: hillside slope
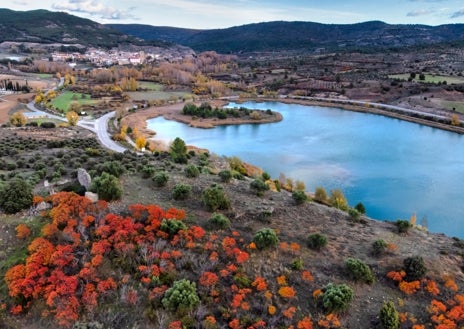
43	26
281	35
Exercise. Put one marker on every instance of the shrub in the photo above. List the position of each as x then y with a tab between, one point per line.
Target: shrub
320	194
107	187
338	200
297	264
317	241
148	171
336	298
354	214
18	119
379	247
403	225
225	175
259	186
192	171
414	267
181	191
360	207
265	176
178	151
265	238
219	221
359	271
389	317
47	124
182	296
172	226
215	198
300	197
15	196
160	179
111	167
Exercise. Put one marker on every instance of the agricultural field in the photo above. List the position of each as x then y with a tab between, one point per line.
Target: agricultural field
430	78
154	95
63	100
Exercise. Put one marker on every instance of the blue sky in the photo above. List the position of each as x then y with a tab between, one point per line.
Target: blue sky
203	14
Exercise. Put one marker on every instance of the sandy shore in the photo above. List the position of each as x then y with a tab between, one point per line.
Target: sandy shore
174	112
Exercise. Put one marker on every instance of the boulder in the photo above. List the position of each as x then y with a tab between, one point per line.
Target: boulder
84	178
91	196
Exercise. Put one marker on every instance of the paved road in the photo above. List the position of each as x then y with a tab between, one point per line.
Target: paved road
101	125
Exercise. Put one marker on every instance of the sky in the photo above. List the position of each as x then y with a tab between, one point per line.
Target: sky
207	14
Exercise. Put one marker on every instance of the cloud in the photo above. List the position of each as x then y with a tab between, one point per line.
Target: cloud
93	8
420	12
22	2
457	14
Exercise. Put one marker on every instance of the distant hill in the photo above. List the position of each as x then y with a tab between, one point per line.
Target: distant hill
281	35
43	26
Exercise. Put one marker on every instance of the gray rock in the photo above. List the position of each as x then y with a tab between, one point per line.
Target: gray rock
84	178
91	196
42	206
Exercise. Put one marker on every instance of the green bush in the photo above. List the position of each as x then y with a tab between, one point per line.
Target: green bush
219	221
215	198
225	175
389	317
148	171
359	271
259	186
178	151
47	124
111	167
379	247
192	171
415	268
336	298
354	214
107	187
15	196
265	238
265	176
297	264
182	296
181	191
300	197
360	207
316	241
172	226
160	179
403	225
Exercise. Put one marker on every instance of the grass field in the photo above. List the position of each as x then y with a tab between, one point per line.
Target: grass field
450	105
430	78
155	95
150	86
43	75
63	100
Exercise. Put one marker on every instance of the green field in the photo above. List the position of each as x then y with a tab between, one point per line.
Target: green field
430	78
156	95
63	100
450	105
43	75
150	86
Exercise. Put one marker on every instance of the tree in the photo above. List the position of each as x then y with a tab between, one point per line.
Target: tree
422	76
107	187
338	200
72	118
140	142
74	106
181	296
389	317
15	196
178	151
18	119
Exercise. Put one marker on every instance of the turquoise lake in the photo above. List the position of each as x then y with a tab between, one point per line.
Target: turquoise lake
395	168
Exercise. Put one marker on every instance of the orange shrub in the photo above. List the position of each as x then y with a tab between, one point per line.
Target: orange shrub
289	312
208	279
305	323
409	288
396	276
282	280
260	284
22	231
307	276
271	309
432	288
287	292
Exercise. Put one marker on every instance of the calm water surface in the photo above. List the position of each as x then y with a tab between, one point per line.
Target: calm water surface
395	168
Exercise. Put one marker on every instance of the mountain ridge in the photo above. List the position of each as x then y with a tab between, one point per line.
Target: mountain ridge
270	36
